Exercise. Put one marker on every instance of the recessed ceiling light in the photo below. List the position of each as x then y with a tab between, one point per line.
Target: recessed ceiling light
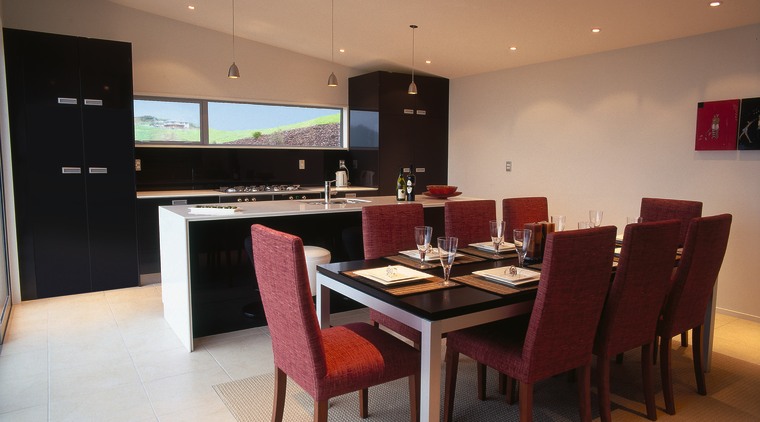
715	3
342	50
513	48
428	62
191	7
596	30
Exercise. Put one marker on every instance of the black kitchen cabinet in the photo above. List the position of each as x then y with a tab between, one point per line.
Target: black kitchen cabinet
72	143
401	129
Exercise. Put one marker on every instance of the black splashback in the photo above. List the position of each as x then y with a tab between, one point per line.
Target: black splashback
204	168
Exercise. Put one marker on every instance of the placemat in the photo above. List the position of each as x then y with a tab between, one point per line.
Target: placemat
487	255
424	285
415	263
491	286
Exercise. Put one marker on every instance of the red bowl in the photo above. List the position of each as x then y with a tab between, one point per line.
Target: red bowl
441	189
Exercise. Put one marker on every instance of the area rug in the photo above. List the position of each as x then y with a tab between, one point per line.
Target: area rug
733	395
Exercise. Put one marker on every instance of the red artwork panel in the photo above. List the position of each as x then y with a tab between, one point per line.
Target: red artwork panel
717	125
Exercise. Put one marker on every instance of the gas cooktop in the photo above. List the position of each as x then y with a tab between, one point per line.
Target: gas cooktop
259	188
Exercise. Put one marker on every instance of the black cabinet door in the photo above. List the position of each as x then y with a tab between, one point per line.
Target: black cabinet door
50	178
106	80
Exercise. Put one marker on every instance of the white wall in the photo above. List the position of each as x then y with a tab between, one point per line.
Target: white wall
603	131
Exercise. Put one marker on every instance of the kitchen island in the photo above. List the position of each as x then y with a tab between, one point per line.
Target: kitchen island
187	232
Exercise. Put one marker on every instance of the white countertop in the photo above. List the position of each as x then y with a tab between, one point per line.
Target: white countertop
187	193
300	207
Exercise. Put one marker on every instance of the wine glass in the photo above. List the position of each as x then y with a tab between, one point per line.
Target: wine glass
595	217
522	242
559	222
497	234
422	235
447	250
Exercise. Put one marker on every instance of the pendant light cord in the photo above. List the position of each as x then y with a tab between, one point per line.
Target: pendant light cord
233	31
332	31
413	28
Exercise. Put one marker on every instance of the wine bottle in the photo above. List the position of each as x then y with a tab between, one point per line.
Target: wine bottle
401	186
411	180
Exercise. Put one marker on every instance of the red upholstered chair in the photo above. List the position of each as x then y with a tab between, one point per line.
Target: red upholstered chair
468	220
656	209
387	229
692	288
630	314
518	211
558	335
325	363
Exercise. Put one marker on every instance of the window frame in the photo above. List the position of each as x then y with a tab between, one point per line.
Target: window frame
204	125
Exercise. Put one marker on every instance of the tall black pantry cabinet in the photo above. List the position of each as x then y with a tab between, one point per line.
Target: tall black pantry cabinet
402	129
72	146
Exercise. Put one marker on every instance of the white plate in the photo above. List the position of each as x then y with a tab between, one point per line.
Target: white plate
501	275
431	255
392	274
488	246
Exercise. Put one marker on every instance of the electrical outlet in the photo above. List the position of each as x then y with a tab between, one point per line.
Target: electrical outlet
138	164
301	164
509	166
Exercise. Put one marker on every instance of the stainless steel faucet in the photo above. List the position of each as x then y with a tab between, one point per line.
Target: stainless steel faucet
327	190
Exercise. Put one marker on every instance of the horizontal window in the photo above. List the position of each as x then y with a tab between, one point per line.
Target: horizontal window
169	121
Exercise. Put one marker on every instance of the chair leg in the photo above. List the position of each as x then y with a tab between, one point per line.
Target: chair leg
655	342
646	377
584	390
667	377
526	402
685	339
414	397
603	385
619	358
510	392
363	405
320	411
481	377
280	384
502	383
696	350
452	365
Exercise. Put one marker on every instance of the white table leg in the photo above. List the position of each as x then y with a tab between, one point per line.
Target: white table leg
323	302
430	375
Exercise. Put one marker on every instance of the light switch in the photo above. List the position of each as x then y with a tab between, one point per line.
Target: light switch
509	166
138	164
301	164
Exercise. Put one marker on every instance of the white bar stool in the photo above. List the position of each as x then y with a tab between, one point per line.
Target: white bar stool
314	256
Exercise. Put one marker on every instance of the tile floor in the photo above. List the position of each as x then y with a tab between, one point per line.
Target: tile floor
111	356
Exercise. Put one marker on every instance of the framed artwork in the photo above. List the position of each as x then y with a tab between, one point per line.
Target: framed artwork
748	136
716	125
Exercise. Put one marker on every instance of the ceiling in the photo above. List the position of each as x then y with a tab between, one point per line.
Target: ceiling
459	37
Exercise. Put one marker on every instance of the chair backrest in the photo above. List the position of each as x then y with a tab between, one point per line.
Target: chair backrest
657	209
387	229
692	287
290	313
518	211
468	220
642	280
575	277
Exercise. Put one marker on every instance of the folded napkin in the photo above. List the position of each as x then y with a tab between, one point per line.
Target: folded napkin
392	274
488	246
503	275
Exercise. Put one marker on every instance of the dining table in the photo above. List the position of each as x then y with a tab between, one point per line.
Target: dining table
431	305
435	307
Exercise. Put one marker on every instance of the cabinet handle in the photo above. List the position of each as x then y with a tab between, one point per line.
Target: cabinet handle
93	102
179	201
64	100
71	170
98	170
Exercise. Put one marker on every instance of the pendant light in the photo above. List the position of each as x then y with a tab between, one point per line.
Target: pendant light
412	86
234	72
332	80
